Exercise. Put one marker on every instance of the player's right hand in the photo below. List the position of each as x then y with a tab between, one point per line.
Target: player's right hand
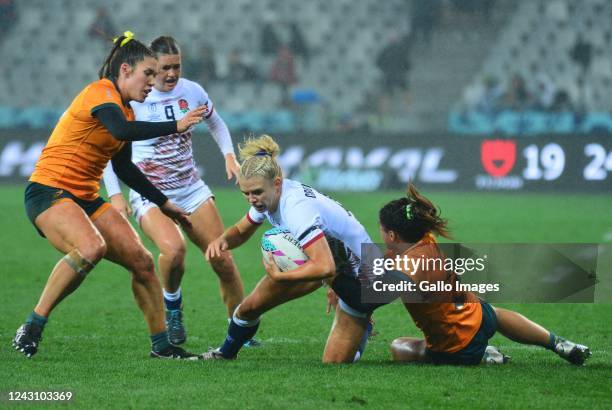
175	213
332	300
216	248
193	117
121	205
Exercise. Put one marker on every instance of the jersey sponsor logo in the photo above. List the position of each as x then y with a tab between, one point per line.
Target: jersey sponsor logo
498	157
183	105
153	107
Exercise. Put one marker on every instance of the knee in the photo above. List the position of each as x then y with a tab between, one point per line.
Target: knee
143	266
93	249
397	350
405	349
336	359
224	266
396	344
247	310
174	251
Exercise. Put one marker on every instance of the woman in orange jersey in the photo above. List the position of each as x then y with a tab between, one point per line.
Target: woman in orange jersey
456	325
62	198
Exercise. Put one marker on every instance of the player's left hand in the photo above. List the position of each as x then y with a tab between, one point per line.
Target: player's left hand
232	168
271	268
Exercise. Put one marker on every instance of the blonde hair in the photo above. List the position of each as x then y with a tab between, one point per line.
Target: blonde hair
258	156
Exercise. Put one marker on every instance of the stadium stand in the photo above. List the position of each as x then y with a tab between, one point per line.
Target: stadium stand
545	34
55	54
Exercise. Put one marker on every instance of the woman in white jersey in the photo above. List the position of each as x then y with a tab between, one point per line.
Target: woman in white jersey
169	164
330	236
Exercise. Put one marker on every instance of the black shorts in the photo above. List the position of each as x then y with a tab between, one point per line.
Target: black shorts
348	288
471	354
39	198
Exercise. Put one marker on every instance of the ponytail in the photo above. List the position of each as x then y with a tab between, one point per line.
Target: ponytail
412	217
125	50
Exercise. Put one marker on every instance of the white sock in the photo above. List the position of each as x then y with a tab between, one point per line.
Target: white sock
172	296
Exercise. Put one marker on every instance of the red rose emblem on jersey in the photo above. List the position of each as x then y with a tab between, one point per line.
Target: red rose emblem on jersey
498	156
183	105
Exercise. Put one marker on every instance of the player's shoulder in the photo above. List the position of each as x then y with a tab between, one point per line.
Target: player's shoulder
296	195
191	86
95	95
102	85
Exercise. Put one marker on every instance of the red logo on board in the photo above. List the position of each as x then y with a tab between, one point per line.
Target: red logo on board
498	156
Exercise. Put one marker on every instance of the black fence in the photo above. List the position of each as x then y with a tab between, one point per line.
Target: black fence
370	162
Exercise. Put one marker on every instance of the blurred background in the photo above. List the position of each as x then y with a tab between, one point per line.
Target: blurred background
460	94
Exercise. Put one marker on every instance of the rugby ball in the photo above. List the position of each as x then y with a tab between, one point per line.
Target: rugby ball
285	249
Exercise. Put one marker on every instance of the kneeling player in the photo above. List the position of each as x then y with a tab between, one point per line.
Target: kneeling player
457	332
330	236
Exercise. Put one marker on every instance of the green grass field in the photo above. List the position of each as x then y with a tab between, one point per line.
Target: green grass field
96	343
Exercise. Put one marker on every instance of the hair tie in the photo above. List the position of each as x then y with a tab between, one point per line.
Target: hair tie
409	211
129	36
262	153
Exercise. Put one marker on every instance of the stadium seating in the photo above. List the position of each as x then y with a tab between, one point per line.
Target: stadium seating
55	56
51	45
543	33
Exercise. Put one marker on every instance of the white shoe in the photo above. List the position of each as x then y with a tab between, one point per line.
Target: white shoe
572	352
493	356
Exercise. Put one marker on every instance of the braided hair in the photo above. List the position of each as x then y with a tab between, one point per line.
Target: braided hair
165	45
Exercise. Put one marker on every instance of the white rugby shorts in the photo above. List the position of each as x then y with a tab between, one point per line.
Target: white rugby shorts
189	198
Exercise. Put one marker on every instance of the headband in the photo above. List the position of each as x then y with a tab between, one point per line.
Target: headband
129	36
409	211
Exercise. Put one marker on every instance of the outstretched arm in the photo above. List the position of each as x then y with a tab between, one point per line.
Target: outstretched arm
113	119
129	173
233	237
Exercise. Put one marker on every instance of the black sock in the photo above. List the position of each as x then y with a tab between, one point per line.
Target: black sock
237	335
160	341
552	342
36	319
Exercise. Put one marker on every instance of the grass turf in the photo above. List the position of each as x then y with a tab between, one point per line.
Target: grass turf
96	343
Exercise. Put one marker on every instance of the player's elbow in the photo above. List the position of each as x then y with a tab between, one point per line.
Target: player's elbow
328	269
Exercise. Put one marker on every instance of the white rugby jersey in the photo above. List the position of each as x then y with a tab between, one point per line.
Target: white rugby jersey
309	215
168	161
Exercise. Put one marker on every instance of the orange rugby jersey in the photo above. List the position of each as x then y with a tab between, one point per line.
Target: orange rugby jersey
80	147
448	327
